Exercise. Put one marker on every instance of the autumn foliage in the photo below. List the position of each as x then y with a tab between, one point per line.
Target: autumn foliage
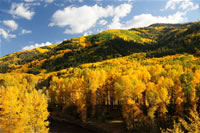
110	75
22	108
154	96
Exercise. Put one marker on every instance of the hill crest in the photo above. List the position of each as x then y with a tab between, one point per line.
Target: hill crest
157	40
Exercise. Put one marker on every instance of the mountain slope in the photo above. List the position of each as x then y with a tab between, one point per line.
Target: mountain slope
156	41
117	78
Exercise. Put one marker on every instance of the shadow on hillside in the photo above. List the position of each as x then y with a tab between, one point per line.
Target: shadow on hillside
98	52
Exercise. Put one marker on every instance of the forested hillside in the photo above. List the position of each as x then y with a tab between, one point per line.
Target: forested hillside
156	41
149	78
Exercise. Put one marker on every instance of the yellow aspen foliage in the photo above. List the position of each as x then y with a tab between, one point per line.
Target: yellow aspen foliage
149	86
196	79
153	97
96	79
139	89
36	110
52	90
146	40
10	111
152	100
79	91
192	125
151	112
141	74
42	50
125	87
155	72
23	112
176	129
193	98
179	97
165	82
67	92
130	90
152	89
164	89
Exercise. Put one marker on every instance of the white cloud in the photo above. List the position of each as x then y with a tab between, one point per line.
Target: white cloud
73	1
37	45
97	0
49	1
172	4
28	0
188	5
88	33
120	11
32	4
6	34
181	4
148	19
21	10
81	19
103	22
58	42
11	24
94	31
115	24
24	31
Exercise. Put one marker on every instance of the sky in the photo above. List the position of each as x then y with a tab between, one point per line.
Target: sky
28	24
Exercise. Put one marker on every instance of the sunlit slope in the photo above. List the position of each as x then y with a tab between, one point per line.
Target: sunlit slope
156	41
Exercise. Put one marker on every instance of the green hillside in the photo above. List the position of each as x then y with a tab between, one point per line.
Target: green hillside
156	41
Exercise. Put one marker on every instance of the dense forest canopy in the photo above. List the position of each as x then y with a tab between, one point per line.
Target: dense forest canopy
151	75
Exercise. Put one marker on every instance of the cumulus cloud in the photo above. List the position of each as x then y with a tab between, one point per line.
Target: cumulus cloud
103	22
94	31
120	11
37	45
21	10
81	19
24	31
181	4
49	1
32	4
88	33
28	0
11	24
148	19
72	1
6	34
188	5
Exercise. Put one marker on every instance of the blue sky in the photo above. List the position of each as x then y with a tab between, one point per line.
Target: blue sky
27	24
